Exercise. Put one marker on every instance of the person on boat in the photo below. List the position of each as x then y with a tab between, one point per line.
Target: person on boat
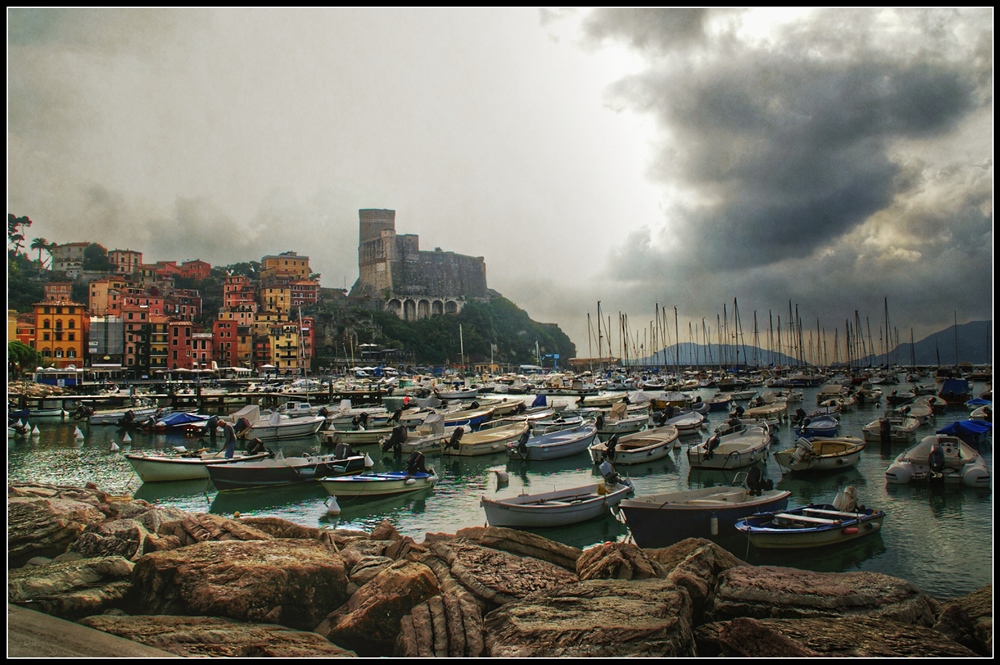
230	433
415	463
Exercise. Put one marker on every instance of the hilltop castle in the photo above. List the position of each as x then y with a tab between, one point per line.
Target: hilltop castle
411	283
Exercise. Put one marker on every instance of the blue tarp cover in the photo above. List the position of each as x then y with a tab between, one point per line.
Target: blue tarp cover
966	427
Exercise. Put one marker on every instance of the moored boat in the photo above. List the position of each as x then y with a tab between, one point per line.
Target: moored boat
379	484
645	446
558	507
817	426
940	458
660	520
483	442
281	470
154	467
815	525
891	429
735	450
821	454
553	445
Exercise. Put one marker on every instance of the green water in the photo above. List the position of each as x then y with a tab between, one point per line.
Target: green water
940	539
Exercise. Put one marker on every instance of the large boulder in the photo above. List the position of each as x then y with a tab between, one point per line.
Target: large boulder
74	588
294	583
45	526
839	637
492	577
216	637
201	527
369	623
773	592
445	626
519	542
623	561
969	620
595	618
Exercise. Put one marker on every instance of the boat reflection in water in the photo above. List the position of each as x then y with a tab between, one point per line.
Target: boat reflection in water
839	558
264	499
170	491
366	513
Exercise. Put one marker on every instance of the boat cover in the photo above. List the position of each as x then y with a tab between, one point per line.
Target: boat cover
967	428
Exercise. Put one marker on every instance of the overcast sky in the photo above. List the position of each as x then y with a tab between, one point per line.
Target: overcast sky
831	159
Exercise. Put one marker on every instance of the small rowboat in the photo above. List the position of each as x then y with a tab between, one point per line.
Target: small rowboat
156	467
379	484
833	454
557	508
645	446
815	525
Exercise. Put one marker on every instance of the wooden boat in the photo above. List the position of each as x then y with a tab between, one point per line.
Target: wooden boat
735	450
281	470
817	426
660	520
379	484
900	429
154	467
821	454
483	442
356	437
815	525
550	424
687	423
556	508
553	445
645	446
470	418
940	458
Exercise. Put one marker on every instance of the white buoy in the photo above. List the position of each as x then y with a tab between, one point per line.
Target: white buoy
65	413
35	431
127	438
114	447
332	507
502	477
714	524
369	463
78	433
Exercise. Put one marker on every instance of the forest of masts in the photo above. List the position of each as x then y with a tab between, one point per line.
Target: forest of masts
769	346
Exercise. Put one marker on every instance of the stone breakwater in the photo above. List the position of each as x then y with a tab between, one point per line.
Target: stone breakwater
198	585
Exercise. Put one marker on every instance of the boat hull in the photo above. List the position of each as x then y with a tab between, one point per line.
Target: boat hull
378	484
639	448
555	445
162	468
288	429
659	521
282	471
825	527
559	508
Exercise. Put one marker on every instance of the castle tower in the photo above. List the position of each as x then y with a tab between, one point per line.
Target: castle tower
376	247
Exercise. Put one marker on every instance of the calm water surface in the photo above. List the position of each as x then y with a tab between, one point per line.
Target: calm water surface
939	538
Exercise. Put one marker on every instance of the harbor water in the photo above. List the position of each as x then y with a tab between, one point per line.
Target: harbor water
940	538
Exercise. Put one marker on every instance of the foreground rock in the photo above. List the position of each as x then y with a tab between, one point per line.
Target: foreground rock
196	584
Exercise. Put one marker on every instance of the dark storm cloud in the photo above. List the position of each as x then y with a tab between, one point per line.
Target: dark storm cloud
645	28
789	154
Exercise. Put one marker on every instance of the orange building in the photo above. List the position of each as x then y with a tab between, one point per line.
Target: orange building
106	296
196	269
61	332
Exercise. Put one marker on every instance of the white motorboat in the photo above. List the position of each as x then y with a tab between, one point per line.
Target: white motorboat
153	467
940	458
735	450
645	446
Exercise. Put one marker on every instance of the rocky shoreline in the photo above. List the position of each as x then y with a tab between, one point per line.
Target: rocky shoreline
202	585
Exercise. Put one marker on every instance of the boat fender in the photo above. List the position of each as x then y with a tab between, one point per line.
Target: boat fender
411	481
332	507
713	524
850	530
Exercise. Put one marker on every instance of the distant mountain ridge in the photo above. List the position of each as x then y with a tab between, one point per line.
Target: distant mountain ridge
966	343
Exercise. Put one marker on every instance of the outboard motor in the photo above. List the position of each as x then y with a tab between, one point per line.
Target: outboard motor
600	421
612	446
936	459
127	420
255	446
754	483
395	440
415	463
456	436
342	451
609	474
710	446
522	444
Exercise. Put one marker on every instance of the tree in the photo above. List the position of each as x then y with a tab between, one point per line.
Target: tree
95	257
40	244
21	358
15	231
